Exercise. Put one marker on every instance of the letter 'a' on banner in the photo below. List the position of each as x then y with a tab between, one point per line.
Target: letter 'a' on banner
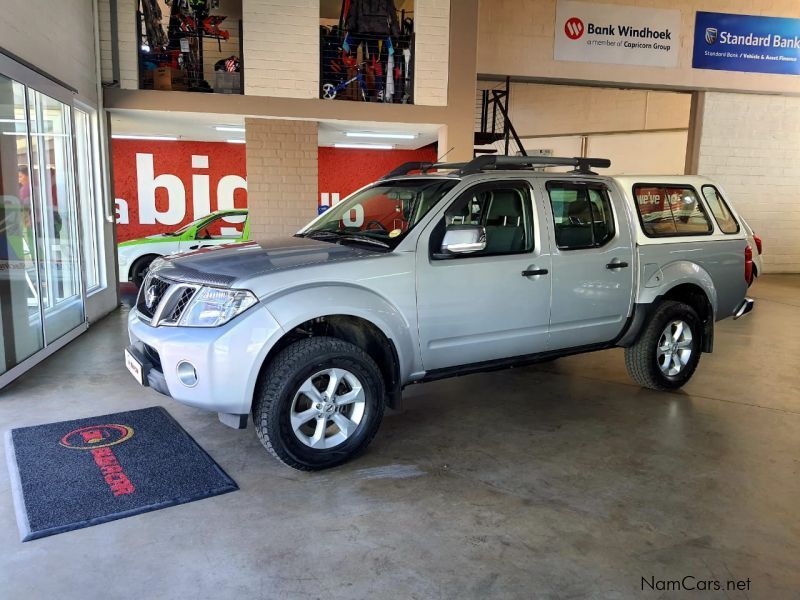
746	43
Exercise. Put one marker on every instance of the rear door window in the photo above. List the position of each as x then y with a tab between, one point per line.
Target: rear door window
722	214
670	210
582	215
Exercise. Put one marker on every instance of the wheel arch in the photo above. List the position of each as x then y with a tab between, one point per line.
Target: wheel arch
353	329
676	278
697	292
354	314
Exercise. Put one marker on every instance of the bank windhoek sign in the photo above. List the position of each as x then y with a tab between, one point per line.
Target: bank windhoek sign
616	34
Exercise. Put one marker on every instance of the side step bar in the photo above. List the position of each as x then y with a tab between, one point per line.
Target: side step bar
745	307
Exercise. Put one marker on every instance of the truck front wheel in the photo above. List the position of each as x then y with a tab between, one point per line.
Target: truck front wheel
319	403
667	352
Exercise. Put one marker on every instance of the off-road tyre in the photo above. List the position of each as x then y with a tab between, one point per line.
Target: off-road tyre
281	380
641	359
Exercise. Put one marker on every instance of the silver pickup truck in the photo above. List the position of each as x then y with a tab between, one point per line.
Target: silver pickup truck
435	271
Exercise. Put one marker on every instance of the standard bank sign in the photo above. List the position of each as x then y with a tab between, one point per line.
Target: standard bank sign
746	43
616	34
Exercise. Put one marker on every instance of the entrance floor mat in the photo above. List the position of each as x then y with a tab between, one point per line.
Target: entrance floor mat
75	474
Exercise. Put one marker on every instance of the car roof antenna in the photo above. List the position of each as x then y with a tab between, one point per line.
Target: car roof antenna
438	160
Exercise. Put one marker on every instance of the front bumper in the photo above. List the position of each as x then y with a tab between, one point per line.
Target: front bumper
745	307
226	359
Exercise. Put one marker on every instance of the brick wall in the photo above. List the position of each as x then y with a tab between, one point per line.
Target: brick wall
281	175
751	144
127	40
104	18
432	51
281	48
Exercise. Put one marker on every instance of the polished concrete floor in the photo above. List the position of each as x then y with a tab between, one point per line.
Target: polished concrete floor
562	480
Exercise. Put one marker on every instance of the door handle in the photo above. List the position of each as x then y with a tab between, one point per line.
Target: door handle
617	265
532	272
195	247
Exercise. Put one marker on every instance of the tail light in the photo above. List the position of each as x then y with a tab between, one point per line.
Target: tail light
758	243
748	264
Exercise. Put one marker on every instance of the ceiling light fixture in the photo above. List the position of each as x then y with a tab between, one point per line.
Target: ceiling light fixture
366	146
231	128
162	138
236	141
392	136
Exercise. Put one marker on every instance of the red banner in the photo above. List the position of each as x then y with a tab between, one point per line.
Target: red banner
162	185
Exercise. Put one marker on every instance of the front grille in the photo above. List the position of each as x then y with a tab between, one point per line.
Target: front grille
152	289
168	300
180	305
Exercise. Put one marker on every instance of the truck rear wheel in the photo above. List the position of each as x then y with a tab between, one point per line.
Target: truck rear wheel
319	403
667	352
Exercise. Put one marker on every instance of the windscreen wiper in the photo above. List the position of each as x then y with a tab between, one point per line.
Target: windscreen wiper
362	239
319	234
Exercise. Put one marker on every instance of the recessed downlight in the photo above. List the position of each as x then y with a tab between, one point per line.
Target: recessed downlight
163	138
375	134
366	146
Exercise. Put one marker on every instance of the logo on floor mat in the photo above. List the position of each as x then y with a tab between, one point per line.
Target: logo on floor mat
98	439
97	436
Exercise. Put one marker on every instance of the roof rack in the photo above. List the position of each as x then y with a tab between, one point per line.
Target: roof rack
583	166
422	167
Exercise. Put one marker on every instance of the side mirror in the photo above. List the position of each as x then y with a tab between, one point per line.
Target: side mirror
463	239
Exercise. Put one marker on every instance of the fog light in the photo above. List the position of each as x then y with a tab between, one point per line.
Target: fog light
187	374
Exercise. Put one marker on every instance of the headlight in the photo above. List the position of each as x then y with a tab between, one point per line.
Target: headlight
211	307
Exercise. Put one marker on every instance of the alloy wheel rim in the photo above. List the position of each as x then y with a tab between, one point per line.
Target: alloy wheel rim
674	348
327	408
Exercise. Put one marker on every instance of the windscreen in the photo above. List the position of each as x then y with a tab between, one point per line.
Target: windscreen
383	212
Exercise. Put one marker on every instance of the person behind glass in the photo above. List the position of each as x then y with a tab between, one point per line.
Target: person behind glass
372	24
24	187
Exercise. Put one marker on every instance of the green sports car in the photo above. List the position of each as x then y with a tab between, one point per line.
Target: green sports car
221	227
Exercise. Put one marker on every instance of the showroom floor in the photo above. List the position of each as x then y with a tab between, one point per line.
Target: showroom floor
561	480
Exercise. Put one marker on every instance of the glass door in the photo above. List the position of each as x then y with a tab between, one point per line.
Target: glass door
52	169
21	331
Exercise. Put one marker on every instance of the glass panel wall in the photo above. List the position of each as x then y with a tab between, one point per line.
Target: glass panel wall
55	213
21	333
41	247
91	234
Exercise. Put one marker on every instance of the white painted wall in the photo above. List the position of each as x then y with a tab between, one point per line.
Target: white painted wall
645	152
56	37
751	144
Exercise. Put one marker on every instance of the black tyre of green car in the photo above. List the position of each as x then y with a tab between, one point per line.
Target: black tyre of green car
140	268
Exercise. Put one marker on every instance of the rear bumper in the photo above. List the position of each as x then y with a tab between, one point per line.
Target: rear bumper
745	307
